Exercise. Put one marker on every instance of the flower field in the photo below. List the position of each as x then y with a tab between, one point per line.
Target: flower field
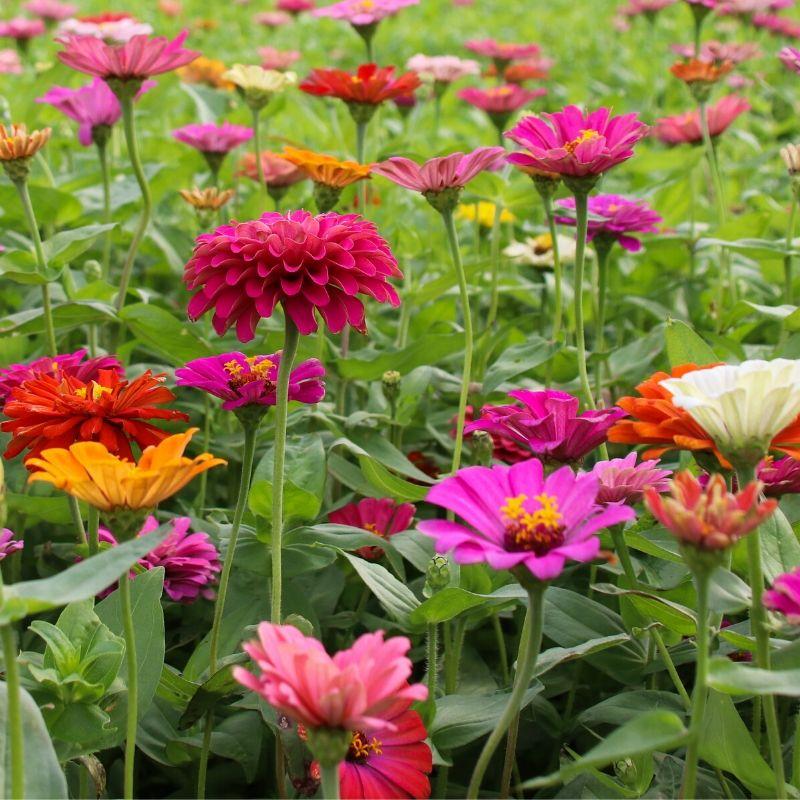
400	399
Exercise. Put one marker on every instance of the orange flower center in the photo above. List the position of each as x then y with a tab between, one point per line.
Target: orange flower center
538	531
373	528
253	371
586	135
362	748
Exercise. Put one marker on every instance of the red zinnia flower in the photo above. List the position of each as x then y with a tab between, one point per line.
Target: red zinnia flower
370	85
48	413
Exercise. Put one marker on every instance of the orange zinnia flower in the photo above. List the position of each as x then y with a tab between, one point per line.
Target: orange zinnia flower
17	144
88	471
325	169
46	413
207	71
696	70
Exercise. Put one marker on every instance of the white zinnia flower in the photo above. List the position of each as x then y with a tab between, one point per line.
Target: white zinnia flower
741	407
537	251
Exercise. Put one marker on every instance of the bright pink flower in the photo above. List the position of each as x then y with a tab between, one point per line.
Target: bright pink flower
272	58
776	25
9	62
685	128
21	28
713	51
504	448
140	58
622	480
710	4
303	262
747	7
240	380
111	27
502	51
438	174
442	69
357	689
50	10
780	476
211	138
615	217
59	367
363	12
500	102
272	19
382	517
647	7
8	544
295	6
784	596
790	57
549	423
519	518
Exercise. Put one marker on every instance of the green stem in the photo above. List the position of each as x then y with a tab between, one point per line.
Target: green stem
93	521
77	519
133	685
453	650
330	782
698	33
208	411
582	224
257	150
603	254
437	115
105	175
526	663
500	642
787	259
433	659
458	264
558	302
361	150
494	256
510	757
15	729
290	342
205	749
796	754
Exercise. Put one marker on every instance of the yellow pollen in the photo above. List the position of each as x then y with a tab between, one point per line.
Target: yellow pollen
233	368
97	391
585	136
533	529
360	748
372	528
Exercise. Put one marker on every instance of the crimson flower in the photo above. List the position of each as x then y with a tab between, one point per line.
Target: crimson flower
382	517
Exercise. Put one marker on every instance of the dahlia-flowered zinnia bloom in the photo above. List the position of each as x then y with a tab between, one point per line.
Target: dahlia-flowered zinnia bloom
53	412
622	480
17	144
500	102
504	448
747	7
75	365
548	422
382	517
442	69
575	144
710	518
363	13
777	25
519	518
112	27
295	7
272	58
50	10
700	71
356	689
784	596
530	69
88	471
686	129
779	476
258	85
139	58
8	544
647	8
537	251
326	169
9	62
21	29
209	199
241	380
211	138
790	58
502	52
615	218
307	264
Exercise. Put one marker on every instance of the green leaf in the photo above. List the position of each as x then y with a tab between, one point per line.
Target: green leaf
297	503
67	245
737	678
390	485
626	706
684	346
219	686
20	266
453	600
66	316
672	615
171	338
554	656
369	365
517	360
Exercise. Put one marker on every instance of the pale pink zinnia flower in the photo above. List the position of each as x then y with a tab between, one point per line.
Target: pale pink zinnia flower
685	128
272	19
110	27
735	52
272	58
362	13
21	29
9	62
211	138
353	690
648	8
622	480
50	10
442	69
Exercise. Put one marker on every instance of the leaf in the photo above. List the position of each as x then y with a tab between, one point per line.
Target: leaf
625	706
369	365
738	678
516	360
67	245
672	615
297	503
452	601
20	266
66	316
684	346
219	686
388	484
554	656
169	337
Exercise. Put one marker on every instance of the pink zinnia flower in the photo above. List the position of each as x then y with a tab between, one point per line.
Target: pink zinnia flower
357	689
520	519
295	7
790	57
776	25
111	27
278	173
622	480
74	365
504	449
780	476
307	264
500	102
211	138
21	29
138	59
646	7
272	58
549	423
272	19
242	380
9	62
8	544
361	13
735	52
50	10
575	144
685	128
442	69
615	218
382	517
784	596
502	52
745	7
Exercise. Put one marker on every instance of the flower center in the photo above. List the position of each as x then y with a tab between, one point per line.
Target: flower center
373	528
362	748
586	135
542	244
538	531
252	371
97	391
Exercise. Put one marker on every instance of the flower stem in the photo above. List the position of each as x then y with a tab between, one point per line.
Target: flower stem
207	414
133	685
494	257
558	302
77	520
433	659
257	150
458	264
526	663
787	259
582	223
603	253
330	782
290	342
102	156
93	520
796	754
15	730
361	151
437	115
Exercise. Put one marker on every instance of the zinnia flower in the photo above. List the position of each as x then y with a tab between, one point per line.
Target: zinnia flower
382	517
622	480
700	71
18	146
685	128
779	476
442	69
500	102
21	29
8	544
88	471
357	689
502	52
278	172
531	69
363	13
273	59
548	422
710	518
207	71
306	263
241	380
9	62
790	58
713	51
272	19
504	448
784	596
204	200
111	27
520	519
211	138
614	218
258	85
777	25
50	412
329	174
50	10
295	7
537	251
648	8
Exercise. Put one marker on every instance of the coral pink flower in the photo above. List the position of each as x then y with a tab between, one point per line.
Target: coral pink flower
531	69
277	171
370	85
242	380
442	69
685	128
9	62
138	59
272	58
272	19
519	518
713	51
295	7
572	143
307	264
74	365
615	218
8	544
438	174
21	29
362	13
502	52
211	138
500	102
710	518
645	7
357	689
382	517
622	480
548	422
784	596
111	27
50	10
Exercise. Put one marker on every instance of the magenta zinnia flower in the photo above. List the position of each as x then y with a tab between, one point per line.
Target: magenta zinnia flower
500	102
357	689
685	128
382	517
307	264
780	476
713	51
50	10
777	25
361	13
622	480
21	29
646	7
784	596
295	7
520	519
790	58
614	218
8	544
137	59
211	138
242	380
575	144
549	423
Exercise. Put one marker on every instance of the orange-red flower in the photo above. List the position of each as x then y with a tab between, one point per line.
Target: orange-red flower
49	413
326	169
370	85
697	70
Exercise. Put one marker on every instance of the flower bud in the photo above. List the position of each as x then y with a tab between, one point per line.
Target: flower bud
92	269
391	384
482	448
437	576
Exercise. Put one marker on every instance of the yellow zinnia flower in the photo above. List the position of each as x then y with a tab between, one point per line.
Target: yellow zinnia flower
256	84
484	211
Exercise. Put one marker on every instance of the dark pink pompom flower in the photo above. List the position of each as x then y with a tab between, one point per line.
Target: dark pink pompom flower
780	476
8	544
622	480
382	517
242	380
211	138
306	263
784	596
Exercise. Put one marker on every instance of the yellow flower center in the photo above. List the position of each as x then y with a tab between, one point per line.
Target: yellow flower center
542	244
539	530
97	391
367	5
373	528
241	374
586	135
361	748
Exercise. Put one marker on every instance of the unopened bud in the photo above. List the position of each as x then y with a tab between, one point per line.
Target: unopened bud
391	383
301	623
626	771
93	270
482	448
437	576
791	158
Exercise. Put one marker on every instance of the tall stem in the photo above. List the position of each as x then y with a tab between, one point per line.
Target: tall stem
558	302
361	151
105	175
290	342
582	222
603	253
77	519
133	685
494	256
433	659
15	729
257	150
93	520
526	663
330	782
458	264
796	754
787	259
